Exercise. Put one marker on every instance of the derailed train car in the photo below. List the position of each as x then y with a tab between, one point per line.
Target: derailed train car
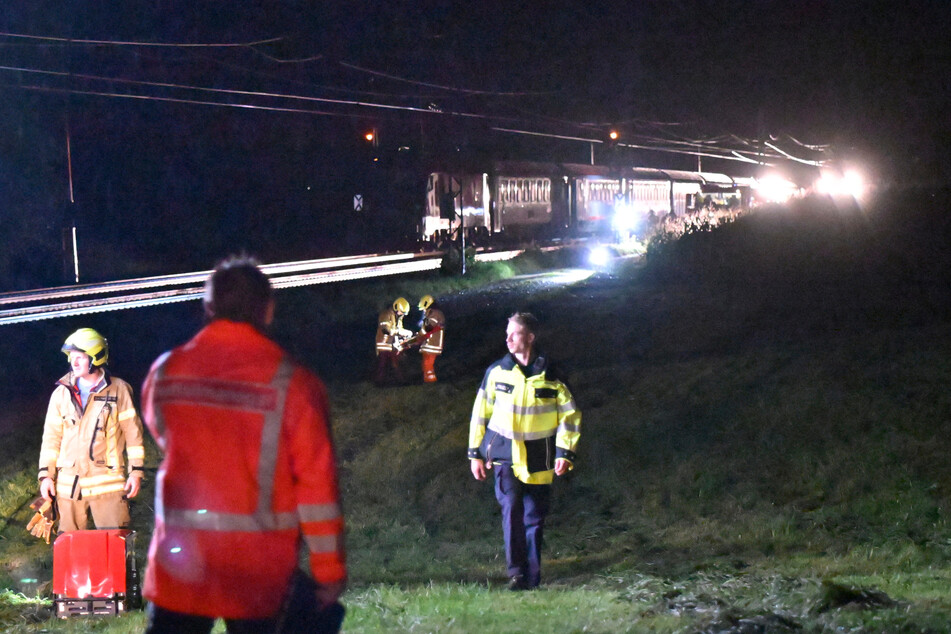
515	201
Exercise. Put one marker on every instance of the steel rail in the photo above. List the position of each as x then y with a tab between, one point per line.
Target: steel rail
179	279
285	275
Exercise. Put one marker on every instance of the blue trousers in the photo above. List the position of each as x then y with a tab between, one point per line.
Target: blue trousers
524	508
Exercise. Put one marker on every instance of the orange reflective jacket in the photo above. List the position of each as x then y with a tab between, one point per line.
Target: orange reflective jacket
248	471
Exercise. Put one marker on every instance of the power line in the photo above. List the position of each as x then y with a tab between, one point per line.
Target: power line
67	40
451	88
247	93
707	145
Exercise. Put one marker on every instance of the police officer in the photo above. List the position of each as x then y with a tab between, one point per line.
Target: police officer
525	425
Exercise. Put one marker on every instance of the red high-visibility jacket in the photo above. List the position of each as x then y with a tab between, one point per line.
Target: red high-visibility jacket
248	471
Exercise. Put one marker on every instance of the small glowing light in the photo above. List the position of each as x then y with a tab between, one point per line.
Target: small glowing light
368	136
175	550
201	511
613	135
28	580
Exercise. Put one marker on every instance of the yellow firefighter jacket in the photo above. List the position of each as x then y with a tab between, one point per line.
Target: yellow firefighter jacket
389	328
82	447
533	417
431	319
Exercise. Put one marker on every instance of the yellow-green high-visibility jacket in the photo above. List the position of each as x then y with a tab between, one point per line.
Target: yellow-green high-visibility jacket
83	447
534	414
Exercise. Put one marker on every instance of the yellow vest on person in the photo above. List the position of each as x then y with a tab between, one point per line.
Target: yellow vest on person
535	413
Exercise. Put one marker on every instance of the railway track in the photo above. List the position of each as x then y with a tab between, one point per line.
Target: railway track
81	299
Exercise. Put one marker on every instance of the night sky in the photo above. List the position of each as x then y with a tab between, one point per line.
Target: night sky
166	178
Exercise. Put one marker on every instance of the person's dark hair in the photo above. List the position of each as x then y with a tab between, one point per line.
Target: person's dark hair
237	290
527	321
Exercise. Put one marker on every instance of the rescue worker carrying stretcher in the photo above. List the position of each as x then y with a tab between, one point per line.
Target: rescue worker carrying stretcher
390	333
90	423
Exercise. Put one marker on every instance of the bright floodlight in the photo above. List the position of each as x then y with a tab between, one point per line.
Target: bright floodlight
774	188
625	218
847	184
599	256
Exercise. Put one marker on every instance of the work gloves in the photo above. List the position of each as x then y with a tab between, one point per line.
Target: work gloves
41	525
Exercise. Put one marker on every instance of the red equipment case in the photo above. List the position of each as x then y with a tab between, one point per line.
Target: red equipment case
94	573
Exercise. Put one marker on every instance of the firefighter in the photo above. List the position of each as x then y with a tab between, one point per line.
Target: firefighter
389	335
248	475
90	423
432	327
525	425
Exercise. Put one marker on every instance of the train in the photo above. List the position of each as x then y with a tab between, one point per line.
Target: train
520	200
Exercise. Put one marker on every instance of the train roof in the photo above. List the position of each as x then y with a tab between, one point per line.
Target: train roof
555	170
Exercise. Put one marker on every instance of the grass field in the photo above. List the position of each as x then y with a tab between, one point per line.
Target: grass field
764	449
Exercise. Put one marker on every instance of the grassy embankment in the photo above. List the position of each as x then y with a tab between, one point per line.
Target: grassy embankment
764	448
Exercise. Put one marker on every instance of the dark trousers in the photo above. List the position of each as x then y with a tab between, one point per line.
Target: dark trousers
162	621
524	508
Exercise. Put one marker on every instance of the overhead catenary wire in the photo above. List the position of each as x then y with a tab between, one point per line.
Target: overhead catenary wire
73	41
708	144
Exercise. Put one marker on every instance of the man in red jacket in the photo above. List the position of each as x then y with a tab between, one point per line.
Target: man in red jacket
248	474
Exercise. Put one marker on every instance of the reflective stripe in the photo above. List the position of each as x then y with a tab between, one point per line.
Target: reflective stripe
159	418
569	427
91	481
202	520
271	436
48	455
127	414
318	512
319	544
518	435
89	492
530	410
136	453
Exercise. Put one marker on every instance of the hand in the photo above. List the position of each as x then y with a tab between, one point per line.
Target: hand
479	468
329	593
562	466
132	486
47	488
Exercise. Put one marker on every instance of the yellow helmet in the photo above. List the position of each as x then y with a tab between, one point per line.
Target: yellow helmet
401	305
90	342
426	301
